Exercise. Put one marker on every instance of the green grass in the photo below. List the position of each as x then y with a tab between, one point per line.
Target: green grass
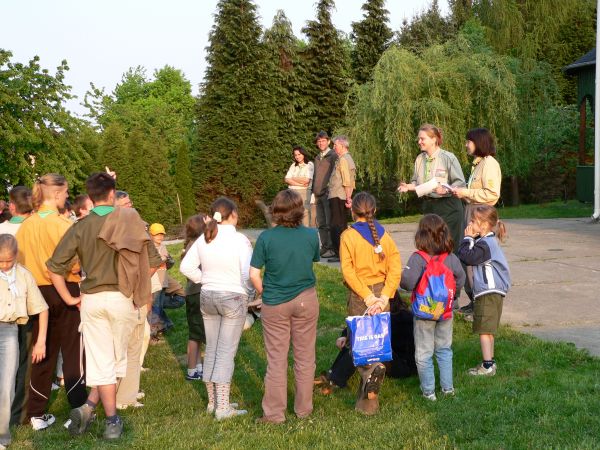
551	210
545	395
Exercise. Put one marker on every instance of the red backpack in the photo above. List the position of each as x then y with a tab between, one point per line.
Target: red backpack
433	297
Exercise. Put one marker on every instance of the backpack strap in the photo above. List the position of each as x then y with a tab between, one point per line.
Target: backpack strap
424	255
441	258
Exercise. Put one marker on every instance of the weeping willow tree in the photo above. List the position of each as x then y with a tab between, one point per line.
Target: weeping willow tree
446	85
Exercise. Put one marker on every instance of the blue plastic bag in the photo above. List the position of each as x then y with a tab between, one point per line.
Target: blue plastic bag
370	338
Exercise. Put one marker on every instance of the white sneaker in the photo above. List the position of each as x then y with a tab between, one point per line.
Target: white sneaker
123	406
55	387
211	408
42	422
140	395
228	413
430	396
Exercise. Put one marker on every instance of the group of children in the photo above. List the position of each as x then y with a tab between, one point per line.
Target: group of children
43	275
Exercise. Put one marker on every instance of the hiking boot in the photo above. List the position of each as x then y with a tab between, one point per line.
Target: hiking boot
367	406
42	422
81	418
374	380
113	429
326	387
482	371
228	413
430	396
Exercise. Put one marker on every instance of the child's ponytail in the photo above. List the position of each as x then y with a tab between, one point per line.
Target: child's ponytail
501	233
41	188
364	206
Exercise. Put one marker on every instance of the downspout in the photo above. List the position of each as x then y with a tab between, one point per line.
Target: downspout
596	214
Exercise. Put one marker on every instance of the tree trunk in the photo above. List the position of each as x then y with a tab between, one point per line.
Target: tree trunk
514	190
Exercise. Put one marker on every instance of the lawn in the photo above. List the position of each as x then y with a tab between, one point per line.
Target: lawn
552	210
545	395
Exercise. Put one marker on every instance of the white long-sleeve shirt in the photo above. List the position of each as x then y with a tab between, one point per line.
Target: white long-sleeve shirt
222	265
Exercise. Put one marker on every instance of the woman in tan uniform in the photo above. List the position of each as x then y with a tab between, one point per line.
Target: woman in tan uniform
483	185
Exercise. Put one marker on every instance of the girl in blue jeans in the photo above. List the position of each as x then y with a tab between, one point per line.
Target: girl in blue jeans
433	237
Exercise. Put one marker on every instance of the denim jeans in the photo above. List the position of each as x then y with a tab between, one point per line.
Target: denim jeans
224	314
433	337
9	361
159	320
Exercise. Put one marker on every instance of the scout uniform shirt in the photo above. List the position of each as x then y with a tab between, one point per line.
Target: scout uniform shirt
484	183
21	297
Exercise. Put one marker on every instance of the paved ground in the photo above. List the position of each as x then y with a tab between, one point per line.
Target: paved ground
555	266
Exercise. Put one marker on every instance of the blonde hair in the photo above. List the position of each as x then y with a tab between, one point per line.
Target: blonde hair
488	214
433	132
8	242
42	188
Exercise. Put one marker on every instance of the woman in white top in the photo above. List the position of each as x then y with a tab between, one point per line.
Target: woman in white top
220	261
299	178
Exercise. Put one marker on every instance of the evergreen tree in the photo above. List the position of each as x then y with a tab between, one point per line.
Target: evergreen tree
150	188
426	29
183	181
328	70
371	37
290	83
114	154
238	152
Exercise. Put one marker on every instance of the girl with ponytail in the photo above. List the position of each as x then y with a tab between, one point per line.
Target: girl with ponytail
371	268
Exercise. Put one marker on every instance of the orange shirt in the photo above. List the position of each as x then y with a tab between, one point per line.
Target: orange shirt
37	237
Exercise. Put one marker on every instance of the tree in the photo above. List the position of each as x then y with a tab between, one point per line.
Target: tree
426	29
37	134
238	152
292	107
183	181
371	38
328	70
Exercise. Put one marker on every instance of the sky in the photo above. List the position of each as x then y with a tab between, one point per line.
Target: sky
101	40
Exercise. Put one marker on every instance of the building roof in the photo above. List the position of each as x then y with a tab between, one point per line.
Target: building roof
589	59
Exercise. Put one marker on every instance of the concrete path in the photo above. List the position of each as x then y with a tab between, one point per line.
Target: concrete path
555	267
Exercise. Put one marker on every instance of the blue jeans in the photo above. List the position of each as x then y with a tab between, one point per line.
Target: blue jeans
9	361
224	314
159	321
433	337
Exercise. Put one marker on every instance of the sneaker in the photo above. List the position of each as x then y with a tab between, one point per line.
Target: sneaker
327	253
228	413
335	259
210	409
374	381
122	406
140	395
113	430
467	310
81	418
144	369
55	387
480	370
42	422
195	376
430	396
448	392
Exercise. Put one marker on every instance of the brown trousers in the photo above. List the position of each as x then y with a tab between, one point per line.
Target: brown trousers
356	305
296	319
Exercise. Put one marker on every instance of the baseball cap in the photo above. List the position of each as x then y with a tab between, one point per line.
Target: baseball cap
156	228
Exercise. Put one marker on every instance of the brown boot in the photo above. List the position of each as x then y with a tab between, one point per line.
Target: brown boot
366	406
368	392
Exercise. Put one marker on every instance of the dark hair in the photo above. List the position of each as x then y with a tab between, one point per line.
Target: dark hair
99	185
433	132
223	206
287	209
20	196
302	152
8	242
194	227
433	235
321	135
488	214
121	194
65	208
41	187
364	206
79	203
483	140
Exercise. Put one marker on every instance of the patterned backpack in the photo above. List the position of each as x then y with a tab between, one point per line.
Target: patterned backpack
433	297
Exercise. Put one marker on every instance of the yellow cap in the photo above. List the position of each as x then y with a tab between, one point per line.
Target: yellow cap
156	228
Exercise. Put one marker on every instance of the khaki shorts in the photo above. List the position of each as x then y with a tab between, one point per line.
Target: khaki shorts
487	311
107	322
